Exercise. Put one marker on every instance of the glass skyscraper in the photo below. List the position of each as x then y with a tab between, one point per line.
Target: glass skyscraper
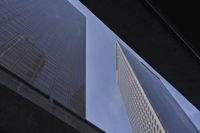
43	72
42	59
38	42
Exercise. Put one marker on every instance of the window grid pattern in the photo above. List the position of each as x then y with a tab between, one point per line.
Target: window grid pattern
43	42
142	117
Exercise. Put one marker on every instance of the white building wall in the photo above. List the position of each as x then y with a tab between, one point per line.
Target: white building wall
142	117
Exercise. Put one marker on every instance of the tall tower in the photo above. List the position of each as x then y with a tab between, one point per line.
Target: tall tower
42	67
43	42
150	107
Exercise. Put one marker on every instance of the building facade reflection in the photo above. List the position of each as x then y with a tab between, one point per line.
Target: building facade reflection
43	42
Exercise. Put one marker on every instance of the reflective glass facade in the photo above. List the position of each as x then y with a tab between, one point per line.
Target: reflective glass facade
43	42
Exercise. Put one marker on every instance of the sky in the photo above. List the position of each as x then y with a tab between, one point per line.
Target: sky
104	105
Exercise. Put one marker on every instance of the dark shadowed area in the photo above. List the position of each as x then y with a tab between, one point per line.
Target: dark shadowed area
184	16
24	116
143	30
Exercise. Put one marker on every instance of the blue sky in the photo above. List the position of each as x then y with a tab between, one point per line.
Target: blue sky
104	103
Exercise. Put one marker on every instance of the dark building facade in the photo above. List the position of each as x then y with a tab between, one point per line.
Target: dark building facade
24	108
43	42
42	67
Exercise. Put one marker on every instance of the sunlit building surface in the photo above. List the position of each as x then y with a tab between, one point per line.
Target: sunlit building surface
150	107
142	116
151	32
43	73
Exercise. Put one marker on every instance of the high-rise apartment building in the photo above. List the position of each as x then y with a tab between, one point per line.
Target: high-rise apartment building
150	107
42	59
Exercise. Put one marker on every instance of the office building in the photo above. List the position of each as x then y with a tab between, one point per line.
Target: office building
42	67
39	43
150	106
145	26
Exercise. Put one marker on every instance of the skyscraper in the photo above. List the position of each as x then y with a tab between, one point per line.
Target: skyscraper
39	43
141	114
42	59
150	107
150	32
